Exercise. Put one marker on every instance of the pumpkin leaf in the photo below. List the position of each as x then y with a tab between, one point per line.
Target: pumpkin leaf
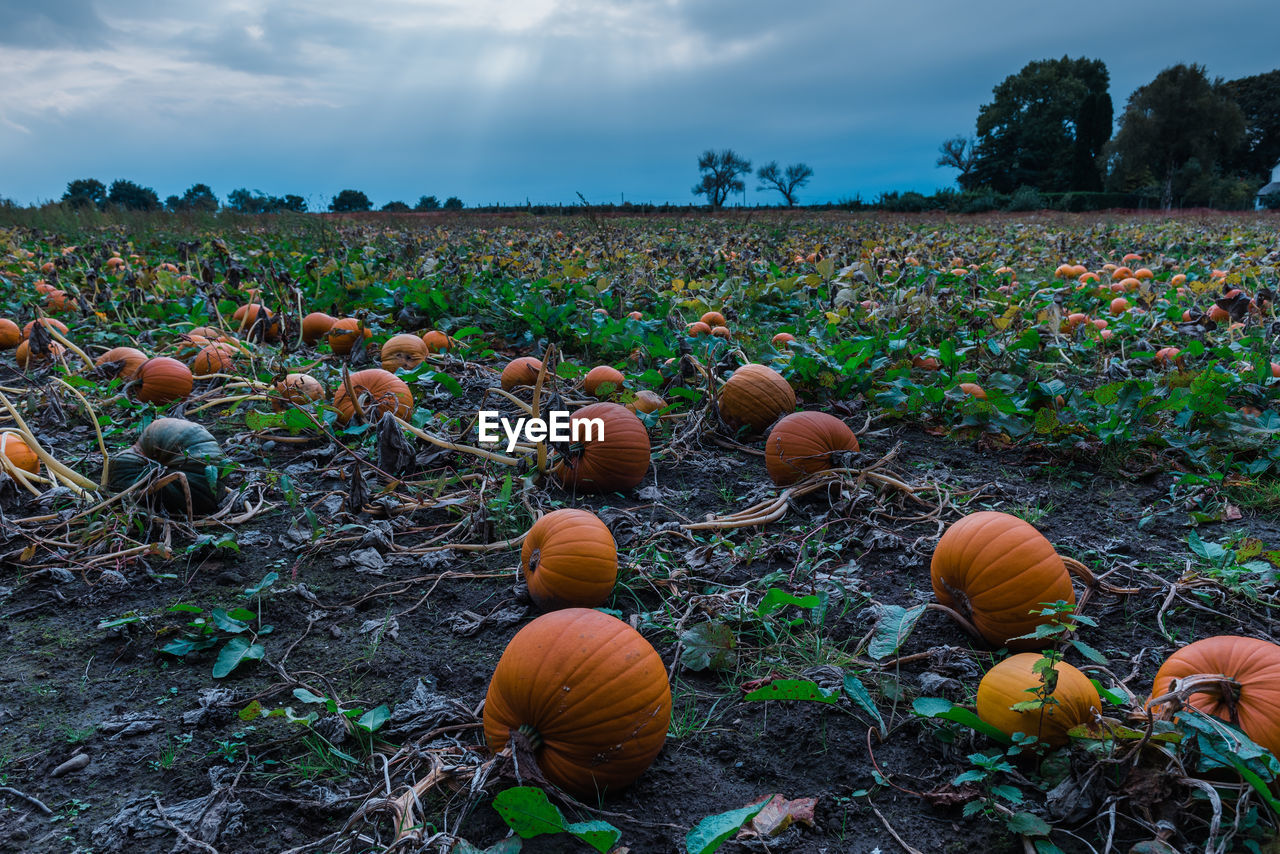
894	625
710	833
794	689
600	835
708	646
861	697
226	622
237	651
943	709
374	718
528	812
184	646
775	599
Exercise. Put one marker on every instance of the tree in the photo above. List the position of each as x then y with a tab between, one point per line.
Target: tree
427	203
134	197
293	203
720	171
453	203
1175	134
1258	98
1045	128
350	200
958	153
787	183
198	197
84	192
395	207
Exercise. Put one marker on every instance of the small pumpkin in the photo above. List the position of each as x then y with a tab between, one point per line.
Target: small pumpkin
996	569
209	333
10	334
124	360
19	452
974	390
315	326
781	340
255	317
1253	663
697	329
590	694
712	319
646	401
403	351
1074	700
754	397
615	457
374	389
344	333
569	559
29	361
1119	305
802	443
170	445
722	332
297	388
438	342
521	371
161	379
635	315
594	383
51	322
215	358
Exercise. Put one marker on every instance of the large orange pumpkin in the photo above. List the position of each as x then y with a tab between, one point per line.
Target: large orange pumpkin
996	569
297	388
598	377
374	388
344	333
1253	663
19	453
802	443
403	351
615	463
569	560
754	397
589	692
254	314
712	319
50	322
215	358
315	326
1015	681
129	359
438	341
522	371
10	334
162	380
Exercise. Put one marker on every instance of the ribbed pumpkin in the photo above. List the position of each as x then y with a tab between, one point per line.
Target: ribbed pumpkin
712	319
27	360
343	334
19	452
1014	681
996	569
722	332
247	316
209	333
129	360
44	321
403	351
569	560
615	463
697	329
521	371
782	339
1253	663
315	326
437	341
646	401
802	443
214	358
169	445
590	693
297	388
754	397
162	380
598	376
376	390
10	334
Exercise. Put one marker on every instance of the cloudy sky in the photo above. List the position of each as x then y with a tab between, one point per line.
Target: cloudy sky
503	100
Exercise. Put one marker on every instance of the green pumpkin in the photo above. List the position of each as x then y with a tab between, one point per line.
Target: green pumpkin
169	445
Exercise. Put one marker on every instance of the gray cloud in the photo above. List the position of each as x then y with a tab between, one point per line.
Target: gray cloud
51	23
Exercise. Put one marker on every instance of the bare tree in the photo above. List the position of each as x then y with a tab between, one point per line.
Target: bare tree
785	182
958	153
720	171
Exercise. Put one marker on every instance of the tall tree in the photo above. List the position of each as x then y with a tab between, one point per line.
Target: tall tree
85	192
453	203
787	182
1258	98
133	197
958	153
350	200
427	203
1045	128
198	197
720	175
1175	135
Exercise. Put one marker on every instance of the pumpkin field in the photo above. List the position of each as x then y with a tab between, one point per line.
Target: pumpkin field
893	534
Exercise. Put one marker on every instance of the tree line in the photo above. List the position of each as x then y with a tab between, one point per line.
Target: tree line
128	195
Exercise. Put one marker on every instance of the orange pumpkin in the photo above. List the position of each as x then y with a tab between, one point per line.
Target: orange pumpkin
1253	663
754	397
610	455
1167	356
802	443
646	401
522	371
10	334
635	315
591	695
49	322
569	560
697	329
996	569
712	319
297	388
255	315
215	358
129	359
1074	700
437	341
344	333
782	339
403	351
600	375
315	326
19	452
162	380
722	332
1119	305
974	390
374	389
28	360
209	333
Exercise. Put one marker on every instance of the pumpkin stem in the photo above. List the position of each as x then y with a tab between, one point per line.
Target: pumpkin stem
534	557
955	615
1085	574
531	736
1181	690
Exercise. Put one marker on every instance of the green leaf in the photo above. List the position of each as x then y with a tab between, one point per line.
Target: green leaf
857	692
710	833
527	811
794	689
1089	652
600	835
237	651
184	646
775	599
708	646
267	580
892	629
226	622
306	696
943	709
1028	824
453	386
374	718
